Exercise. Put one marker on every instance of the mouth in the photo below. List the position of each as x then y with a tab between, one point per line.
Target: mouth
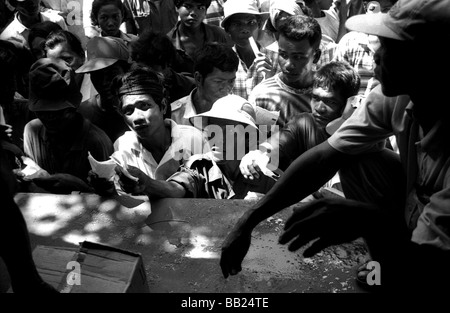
319	119
140	128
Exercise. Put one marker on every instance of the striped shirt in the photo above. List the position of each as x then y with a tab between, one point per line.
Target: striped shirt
274	95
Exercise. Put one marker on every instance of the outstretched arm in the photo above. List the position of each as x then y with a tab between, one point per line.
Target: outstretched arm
305	175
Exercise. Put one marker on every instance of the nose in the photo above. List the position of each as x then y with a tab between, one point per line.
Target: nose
320	107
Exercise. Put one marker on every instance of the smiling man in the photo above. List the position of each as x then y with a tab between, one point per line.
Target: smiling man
289	92
191	34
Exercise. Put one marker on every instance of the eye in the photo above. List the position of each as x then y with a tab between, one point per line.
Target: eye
128	110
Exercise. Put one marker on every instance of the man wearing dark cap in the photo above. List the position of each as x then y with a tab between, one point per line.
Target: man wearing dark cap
401	206
60	138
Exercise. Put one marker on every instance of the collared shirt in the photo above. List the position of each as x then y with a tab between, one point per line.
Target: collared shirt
183	109
274	95
18	33
426	160
354	47
89	138
186	141
183	62
248	78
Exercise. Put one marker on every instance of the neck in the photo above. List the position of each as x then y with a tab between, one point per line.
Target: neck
189	31
200	103
299	84
158	144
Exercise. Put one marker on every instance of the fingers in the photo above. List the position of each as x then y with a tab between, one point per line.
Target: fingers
316	247
227	266
302	212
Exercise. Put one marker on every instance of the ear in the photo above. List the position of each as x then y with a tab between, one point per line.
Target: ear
317	55
198	79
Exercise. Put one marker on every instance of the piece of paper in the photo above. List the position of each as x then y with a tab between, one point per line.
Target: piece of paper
265	117
104	169
120	158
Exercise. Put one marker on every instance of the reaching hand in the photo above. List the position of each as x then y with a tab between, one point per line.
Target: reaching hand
331	221
234	249
129	185
253	163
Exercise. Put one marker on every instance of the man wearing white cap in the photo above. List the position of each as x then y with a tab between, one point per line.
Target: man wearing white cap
231	130
406	224
242	22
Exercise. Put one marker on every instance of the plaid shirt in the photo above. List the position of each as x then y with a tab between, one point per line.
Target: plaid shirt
248	78
214	14
355	49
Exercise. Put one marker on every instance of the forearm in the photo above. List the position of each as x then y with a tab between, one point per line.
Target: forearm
304	176
164	189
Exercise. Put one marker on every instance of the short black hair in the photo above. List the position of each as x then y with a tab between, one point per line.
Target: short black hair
215	55
179	3
42	30
338	76
61	36
98	4
153	48
300	27
143	76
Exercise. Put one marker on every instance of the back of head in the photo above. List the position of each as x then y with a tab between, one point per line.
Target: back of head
179	3
215	55
338	76
42	30
153	49
64	36
300	27
140	81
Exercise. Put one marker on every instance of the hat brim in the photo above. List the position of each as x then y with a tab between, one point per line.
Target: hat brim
95	65
233	118
263	15
42	105
372	24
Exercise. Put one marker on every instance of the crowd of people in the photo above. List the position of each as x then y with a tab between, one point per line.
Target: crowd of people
238	99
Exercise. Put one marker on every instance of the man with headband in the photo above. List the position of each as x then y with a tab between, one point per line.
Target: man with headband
401	206
155	147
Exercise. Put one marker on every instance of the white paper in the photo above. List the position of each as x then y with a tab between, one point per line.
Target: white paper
103	169
265	117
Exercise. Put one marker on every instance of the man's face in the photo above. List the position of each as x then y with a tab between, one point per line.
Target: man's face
393	66
28	8
192	13
64	52
102	79
142	115
215	85
241	27
296	59
231	144
109	19
326	105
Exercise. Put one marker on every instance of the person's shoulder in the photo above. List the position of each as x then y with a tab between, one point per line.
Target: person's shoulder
216	32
